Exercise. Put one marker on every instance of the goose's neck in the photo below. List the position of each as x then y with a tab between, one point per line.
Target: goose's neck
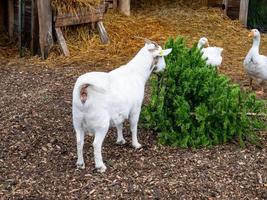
256	45
199	45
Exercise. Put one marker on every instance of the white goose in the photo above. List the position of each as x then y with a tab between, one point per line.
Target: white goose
212	54
255	64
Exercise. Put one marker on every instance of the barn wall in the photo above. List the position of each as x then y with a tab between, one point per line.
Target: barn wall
233	9
257	14
27	24
2	15
215	3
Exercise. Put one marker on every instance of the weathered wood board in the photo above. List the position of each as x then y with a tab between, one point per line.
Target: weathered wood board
243	13
2	15
10	7
125	7
45	27
62	42
83	16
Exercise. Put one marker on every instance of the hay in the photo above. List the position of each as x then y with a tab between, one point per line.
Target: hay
156	23
195	4
7	47
71	6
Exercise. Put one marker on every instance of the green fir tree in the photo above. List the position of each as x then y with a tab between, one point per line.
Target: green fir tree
193	106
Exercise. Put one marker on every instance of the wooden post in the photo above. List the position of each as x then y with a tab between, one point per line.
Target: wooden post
225	2
243	13
10	17
2	7
102	32
61	41
204	2
125	7
34	28
115	4
21	31
45	26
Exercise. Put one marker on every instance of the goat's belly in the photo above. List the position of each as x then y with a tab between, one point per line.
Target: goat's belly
118	118
92	123
87	126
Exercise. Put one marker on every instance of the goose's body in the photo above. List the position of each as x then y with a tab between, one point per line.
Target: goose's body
255	64
212	55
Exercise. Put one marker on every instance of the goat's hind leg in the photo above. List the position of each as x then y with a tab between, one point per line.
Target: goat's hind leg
120	139
134	118
80	142
97	144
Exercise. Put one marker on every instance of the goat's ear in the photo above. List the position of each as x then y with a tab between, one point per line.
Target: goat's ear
147	41
165	52
151	47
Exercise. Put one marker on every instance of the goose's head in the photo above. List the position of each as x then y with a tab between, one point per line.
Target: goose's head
254	33
203	42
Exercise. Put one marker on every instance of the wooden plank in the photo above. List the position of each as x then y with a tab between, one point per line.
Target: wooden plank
83	16
75	20
115	4
125	7
243	13
215	3
204	2
21	31
10	8
225	3
102	32
45	27
2	7
62	42
34	28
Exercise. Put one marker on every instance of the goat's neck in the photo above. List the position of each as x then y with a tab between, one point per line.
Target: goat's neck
141	64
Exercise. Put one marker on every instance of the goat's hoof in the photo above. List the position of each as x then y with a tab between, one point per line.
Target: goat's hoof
121	142
101	169
137	145
80	165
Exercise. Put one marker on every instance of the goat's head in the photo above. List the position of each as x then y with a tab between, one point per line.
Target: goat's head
158	55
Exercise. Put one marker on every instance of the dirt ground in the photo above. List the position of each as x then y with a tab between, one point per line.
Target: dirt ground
37	142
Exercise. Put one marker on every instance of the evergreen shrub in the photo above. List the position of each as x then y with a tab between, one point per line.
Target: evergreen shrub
193	106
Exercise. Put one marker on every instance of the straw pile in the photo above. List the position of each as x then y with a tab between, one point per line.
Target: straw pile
66	6
181	3
7	47
157	23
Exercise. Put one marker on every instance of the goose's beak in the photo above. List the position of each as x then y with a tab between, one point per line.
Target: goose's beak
251	34
207	44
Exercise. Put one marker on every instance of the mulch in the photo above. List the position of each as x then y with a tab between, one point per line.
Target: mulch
38	152
38	145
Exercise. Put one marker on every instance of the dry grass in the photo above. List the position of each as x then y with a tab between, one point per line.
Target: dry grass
157	23
64	6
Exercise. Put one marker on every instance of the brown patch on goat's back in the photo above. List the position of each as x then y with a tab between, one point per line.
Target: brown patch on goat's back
84	93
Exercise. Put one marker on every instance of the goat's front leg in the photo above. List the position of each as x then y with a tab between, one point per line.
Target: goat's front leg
120	139
134	118
97	144
80	141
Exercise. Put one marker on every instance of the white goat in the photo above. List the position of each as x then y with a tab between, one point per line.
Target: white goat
103	99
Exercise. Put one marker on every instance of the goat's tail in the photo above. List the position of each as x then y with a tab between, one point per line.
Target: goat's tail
81	90
93	82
